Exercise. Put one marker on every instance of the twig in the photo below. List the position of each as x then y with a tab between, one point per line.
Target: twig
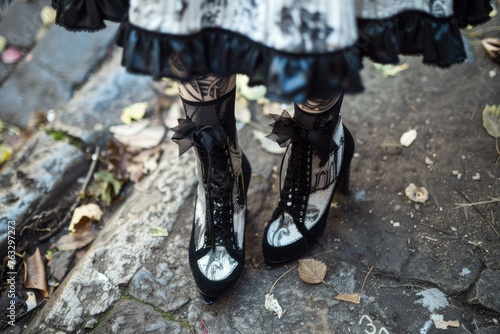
467	198
364	281
465	329
435	228
491	223
480	31
275	282
78	199
493	200
91	169
402	286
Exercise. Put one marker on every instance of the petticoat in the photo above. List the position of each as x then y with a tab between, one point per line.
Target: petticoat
296	48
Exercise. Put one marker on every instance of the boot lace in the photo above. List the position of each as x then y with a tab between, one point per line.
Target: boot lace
305	142
217	176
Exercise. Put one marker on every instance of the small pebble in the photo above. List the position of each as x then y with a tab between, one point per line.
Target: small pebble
356	155
492	73
459	176
455	172
428	161
372	299
476	177
396	224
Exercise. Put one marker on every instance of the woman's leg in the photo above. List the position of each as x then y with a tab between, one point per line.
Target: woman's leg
216	250
320	154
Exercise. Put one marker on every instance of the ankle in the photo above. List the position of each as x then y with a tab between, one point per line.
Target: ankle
211	112
317	114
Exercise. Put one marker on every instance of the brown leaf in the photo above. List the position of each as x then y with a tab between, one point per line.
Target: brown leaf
349	297
34	273
441	324
83	216
312	271
118	159
61	262
491	120
75	240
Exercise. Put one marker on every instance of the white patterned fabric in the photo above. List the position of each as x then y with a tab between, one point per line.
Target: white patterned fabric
286	25
218	264
283	231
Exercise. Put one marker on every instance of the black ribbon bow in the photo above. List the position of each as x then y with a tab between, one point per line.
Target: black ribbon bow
287	130
188	133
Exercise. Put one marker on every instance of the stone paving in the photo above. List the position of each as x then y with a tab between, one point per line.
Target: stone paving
420	261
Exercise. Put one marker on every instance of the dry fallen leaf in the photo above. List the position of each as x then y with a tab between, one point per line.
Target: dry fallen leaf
83	216
312	271
250	93
158	231
134	112
3	43
491	120
48	15
271	304
242	113
5	152
354	297
267	144
34	273
74	241
390	70
147	138
349	297
417	194
441	324
60	264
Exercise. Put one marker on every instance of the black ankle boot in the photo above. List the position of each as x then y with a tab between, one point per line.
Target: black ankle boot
216	249
318	165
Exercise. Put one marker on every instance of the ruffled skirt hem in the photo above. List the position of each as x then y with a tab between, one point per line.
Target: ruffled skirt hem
287	76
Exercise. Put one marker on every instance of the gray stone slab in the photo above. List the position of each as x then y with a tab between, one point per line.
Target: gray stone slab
28	89
453	274
40	170
43	166
163	289
22	22
485	291
129	316
72	56
99	104
123	247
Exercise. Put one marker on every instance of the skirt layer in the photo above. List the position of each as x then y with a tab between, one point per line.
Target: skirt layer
297	52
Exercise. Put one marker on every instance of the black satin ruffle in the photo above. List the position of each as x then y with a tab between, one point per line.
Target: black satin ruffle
289	76
88	15
438	40
471	11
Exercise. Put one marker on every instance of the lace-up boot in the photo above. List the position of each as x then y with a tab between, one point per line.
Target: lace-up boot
319	152
216	249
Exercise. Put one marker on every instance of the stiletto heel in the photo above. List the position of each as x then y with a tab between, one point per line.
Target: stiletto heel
344	182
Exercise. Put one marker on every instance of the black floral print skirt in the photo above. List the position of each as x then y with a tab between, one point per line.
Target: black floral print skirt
296	48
